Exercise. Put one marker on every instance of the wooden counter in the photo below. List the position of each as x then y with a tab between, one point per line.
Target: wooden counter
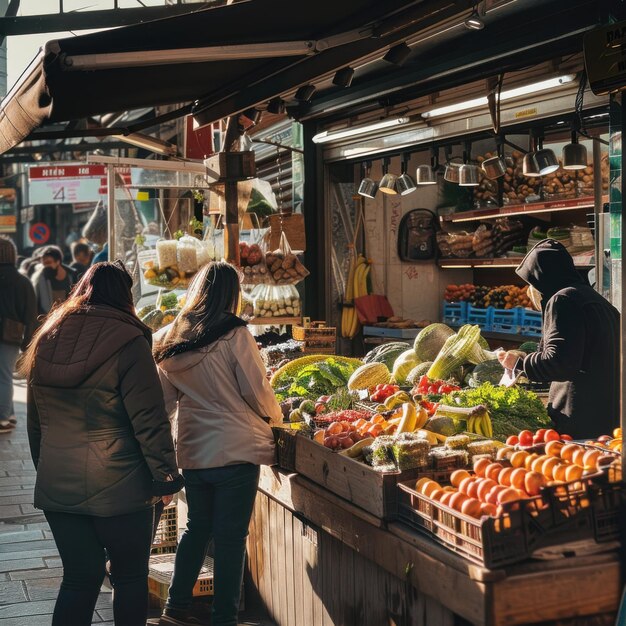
316	560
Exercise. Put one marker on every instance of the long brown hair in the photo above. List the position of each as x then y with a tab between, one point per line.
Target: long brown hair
103	283
213	295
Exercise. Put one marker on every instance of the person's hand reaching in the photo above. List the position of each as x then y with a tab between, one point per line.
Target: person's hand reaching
508	359
167	499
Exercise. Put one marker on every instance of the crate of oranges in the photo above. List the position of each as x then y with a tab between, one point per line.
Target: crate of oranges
504	510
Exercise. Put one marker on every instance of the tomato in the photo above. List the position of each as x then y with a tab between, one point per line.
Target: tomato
526	438
567	438
551	435
540	435
320	407
513	440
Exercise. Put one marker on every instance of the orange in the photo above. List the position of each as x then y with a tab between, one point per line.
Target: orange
436	494
465	483
472	490
421	482
508	495
480	465
493	471
517	478
457	476
484	487
471	507
504	477
429	487
553	448
573	472
505	453
445	498
567	451
449	488
549	465
590	460
533	483
578	458
518	458
559	472
537	463
488	509
457	500
528	461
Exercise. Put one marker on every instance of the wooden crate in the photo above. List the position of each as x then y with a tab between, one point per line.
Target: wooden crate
356	482
166	536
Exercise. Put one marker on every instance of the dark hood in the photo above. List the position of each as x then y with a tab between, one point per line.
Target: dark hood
85	341
7	274
549	267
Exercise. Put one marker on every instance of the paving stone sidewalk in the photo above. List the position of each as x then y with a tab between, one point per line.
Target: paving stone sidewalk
30	567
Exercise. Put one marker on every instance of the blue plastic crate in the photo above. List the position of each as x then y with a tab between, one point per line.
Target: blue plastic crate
455	313
530	323
482	317
506	320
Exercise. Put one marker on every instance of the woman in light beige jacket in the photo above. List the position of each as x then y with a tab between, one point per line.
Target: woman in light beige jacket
222	404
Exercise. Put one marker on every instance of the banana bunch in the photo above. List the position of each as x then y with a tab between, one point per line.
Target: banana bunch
480	424
356	286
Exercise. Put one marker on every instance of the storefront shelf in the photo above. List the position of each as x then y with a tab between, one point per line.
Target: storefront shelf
275	321
522	209
491	263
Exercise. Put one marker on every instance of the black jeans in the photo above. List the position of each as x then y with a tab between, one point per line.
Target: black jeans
82	541
220	502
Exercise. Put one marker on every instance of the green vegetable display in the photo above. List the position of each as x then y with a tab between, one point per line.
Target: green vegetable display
316	379
511	408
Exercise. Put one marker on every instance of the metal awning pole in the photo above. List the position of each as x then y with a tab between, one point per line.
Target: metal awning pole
111	210
231	231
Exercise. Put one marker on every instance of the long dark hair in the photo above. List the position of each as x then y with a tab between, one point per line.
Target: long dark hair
102	284
212	301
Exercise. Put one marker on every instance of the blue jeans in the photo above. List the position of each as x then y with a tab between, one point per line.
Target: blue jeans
220	502
8	358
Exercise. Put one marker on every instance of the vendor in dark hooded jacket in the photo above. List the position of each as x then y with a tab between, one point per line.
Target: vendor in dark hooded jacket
579	350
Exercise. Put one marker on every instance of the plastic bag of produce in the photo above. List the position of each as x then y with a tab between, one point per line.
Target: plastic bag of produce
283	265
167	253
214	238
252	249
461	244
187	255
275	301
482	241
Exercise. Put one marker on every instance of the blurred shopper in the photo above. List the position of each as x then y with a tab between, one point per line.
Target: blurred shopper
101	442
53	281
18	318
103	255
214	381
81	258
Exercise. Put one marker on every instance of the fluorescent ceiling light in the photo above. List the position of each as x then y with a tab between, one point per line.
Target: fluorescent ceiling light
325	136
510	94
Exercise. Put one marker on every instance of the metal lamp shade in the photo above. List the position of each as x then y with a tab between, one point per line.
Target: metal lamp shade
546	161
452	172
494	168
405	184
368	188
468	175
425	175
388	184
530	166
574	156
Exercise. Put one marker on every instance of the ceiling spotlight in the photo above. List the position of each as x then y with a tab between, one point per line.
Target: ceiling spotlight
276	106
574	154
388	181
305	93
343	77
405	184
546	161
398	54
427	174
368	187
474	21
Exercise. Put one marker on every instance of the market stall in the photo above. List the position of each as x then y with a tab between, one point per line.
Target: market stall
406	498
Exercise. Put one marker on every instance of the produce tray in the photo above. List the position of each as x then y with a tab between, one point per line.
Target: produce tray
160	572
285	439
455	313
506	320
166	537
358	483
481	317
570	512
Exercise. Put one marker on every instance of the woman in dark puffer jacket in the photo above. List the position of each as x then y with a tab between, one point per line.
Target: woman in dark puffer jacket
101	442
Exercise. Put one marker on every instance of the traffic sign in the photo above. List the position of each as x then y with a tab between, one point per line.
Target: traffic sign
39	233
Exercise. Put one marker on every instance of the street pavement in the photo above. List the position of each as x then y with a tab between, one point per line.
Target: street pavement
30	567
